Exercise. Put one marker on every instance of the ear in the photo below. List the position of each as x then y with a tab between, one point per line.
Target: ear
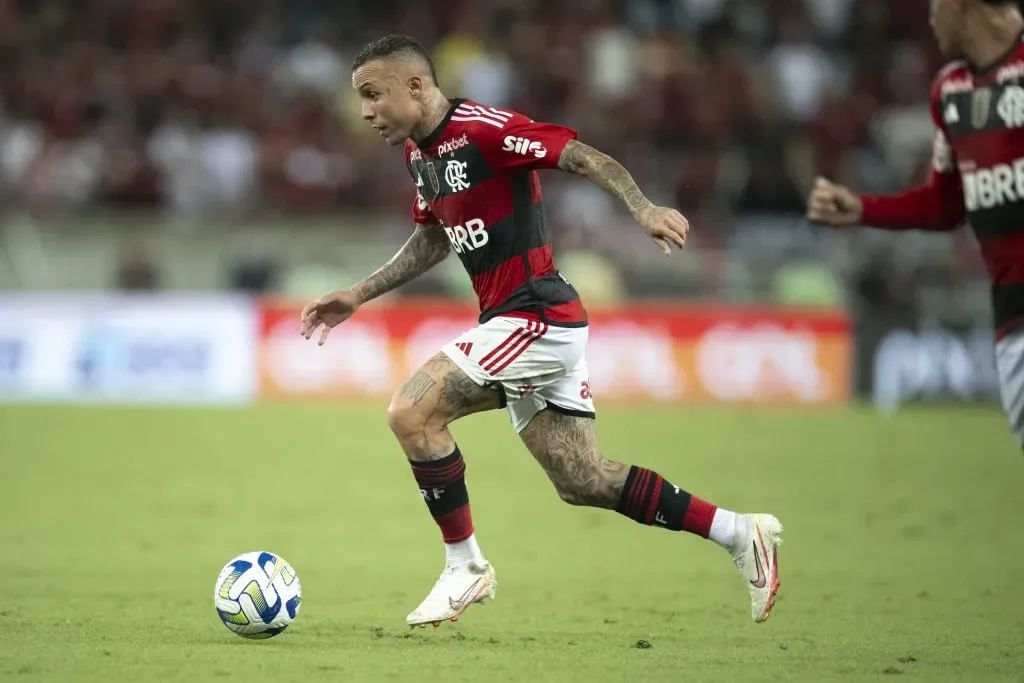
415	85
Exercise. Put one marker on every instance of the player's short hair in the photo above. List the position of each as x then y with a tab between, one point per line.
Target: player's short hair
395	46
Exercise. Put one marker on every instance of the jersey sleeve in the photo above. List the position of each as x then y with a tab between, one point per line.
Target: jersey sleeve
529	145
943	158
421	213
938	204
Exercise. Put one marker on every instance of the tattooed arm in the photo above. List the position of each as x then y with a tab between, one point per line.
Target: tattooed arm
427	247
666	226
608	174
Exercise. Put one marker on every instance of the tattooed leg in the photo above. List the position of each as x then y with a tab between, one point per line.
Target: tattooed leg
566	447
435	396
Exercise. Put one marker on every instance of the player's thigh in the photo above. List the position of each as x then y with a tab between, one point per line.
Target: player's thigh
1010	364
441	392
562	443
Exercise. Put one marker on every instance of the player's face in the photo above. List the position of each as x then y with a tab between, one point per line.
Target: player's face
947	22
389	101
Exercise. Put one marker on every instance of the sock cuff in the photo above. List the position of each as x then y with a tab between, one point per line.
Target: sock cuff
439	472
454	456
624	497
640	494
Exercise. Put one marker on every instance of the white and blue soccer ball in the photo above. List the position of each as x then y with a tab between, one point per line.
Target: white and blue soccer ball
257	595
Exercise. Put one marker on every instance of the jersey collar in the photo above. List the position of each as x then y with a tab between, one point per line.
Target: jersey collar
436	134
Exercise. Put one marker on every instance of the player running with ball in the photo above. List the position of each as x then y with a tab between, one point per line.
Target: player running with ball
977	105
478	194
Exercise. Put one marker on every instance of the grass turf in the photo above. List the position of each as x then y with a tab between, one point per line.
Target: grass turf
903	549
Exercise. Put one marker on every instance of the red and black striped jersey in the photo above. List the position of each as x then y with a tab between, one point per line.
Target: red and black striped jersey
476	175
977	173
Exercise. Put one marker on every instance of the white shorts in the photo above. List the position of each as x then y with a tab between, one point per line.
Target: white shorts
1010	363
536	365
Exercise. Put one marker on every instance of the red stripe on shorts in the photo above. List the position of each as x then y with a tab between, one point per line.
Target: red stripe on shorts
535	330
500	347
525	334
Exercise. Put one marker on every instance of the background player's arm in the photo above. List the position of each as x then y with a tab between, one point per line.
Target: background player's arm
937	205
428	246
666	226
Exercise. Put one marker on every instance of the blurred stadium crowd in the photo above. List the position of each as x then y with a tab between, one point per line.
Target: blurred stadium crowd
726	109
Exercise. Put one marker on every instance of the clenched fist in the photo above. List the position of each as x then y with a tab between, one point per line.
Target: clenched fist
330	310
834	205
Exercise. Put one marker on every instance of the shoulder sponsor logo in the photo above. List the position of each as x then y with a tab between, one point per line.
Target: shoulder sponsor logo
416	154
524	146
955	85
1011	72
450	146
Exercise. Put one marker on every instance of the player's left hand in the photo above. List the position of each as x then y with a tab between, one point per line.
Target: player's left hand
666	226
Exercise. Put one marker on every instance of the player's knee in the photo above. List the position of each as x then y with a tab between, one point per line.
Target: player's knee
588	486
406	421
571	494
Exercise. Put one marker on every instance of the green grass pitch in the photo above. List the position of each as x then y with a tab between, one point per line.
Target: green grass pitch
903	555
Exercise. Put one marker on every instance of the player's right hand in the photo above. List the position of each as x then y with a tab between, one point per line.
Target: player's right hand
834	205
667	227
329	310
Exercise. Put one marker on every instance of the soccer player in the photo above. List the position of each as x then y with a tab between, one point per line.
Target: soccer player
478	194
977	170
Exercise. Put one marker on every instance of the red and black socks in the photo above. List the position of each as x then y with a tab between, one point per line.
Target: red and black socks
443	487
648	498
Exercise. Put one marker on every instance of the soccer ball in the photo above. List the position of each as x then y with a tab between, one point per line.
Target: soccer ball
257	595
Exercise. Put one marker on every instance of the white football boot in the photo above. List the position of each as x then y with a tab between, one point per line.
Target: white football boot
461	584
756	555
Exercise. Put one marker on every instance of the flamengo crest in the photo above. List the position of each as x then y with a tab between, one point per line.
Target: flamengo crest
1011	106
